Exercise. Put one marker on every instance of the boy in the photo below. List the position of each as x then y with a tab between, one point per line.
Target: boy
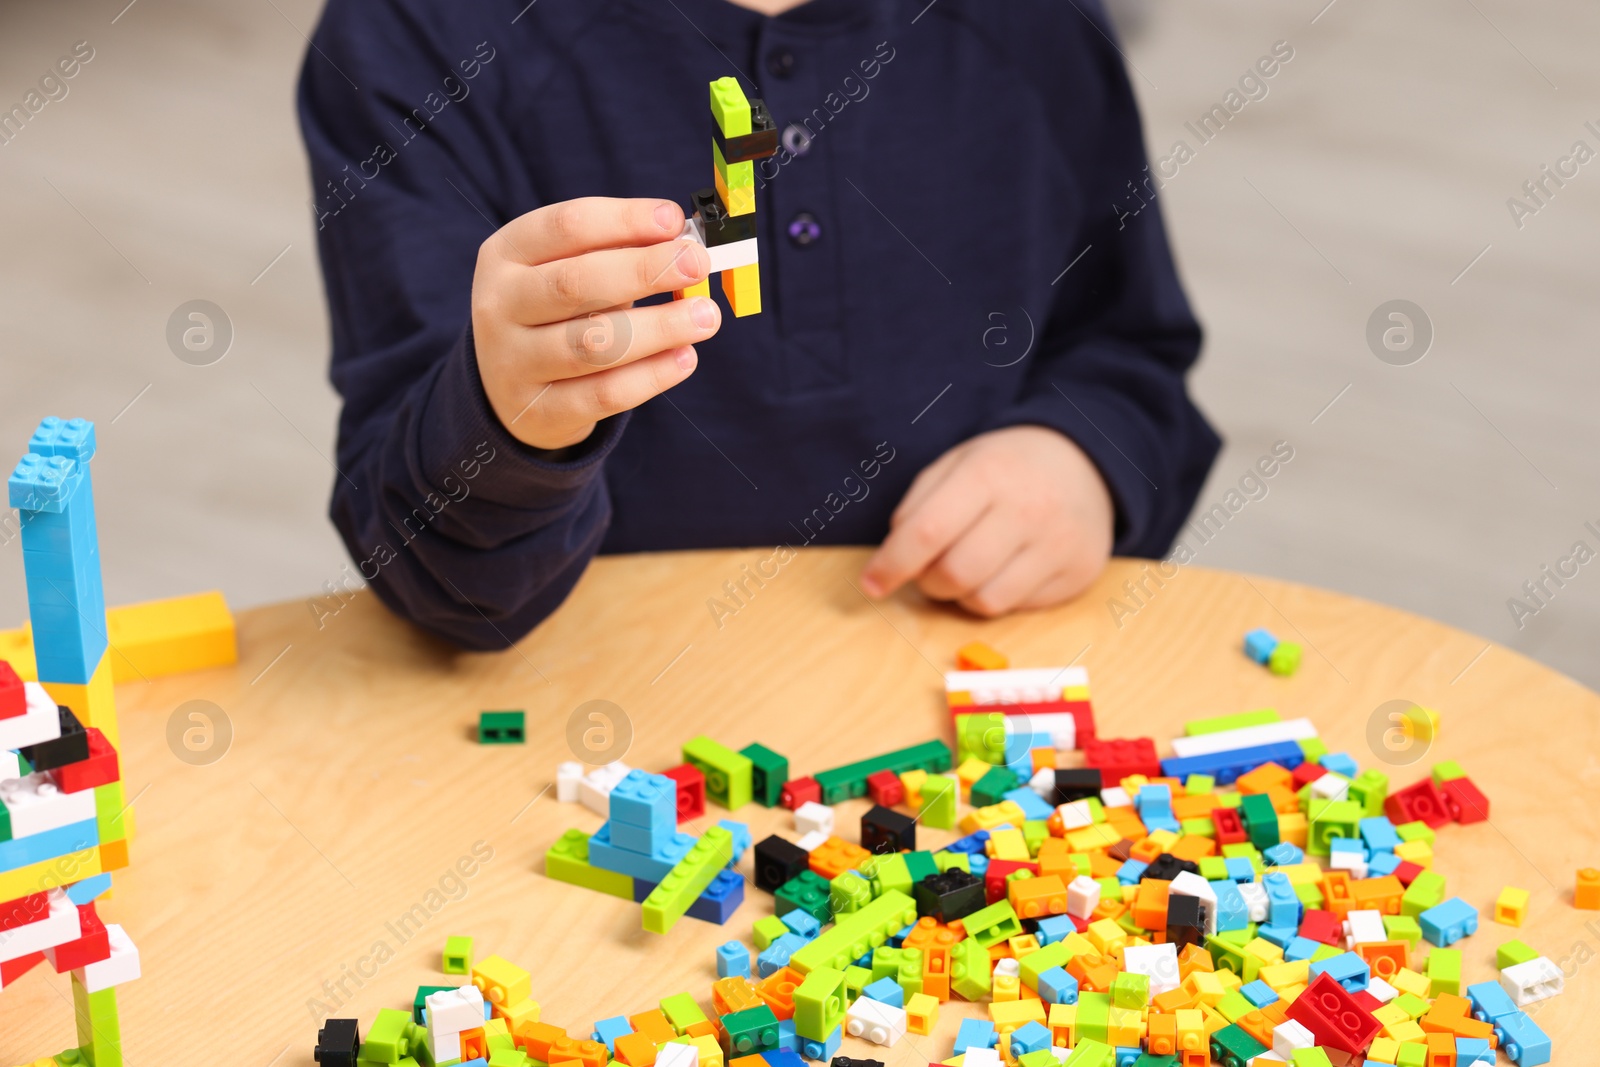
967	351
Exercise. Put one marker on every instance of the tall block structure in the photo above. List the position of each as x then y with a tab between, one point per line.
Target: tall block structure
63	823
723	218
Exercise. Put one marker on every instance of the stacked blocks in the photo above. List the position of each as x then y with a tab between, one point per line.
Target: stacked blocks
64	823
723	218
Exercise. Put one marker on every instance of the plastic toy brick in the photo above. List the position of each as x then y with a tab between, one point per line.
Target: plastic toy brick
568	861
730	107
993	924
686	881
1226	767
1333	1016
977	656
1421	802
691	791
808	892
502	728
1464	802
778	861
886	789
835	856
857	933
800	791
458	955
884	830
1258	645
768	772
728	775
843	783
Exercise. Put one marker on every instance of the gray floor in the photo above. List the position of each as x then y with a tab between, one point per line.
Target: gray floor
1376	167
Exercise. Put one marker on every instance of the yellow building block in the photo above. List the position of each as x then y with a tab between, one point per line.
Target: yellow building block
16	648
501	982
922	1013
732	175
738	199
1008	845
94	704
911	782
524	1011
1408	981
1418	852
972	768
1280	976
1511	906
994	815
1299	873
52	873
1089	838
1106	936
1125	1027
1292	827
1384	1050
1407	1032
710	1051
172	636
1075	693
742	285
1007	1015
1064	1025
699	288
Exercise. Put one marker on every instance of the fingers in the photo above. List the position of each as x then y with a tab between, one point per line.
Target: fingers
573	227
1025	580
565	288
926	481
568	409
614	338
976	557
921	536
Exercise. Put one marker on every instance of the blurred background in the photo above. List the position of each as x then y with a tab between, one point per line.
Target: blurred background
1441	459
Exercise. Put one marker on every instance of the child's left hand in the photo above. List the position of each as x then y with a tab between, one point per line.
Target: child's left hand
1014	518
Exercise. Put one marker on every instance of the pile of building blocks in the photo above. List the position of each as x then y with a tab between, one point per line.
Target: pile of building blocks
1279	657
64	822
150	640
723	218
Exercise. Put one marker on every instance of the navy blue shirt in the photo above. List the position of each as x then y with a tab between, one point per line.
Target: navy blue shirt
949	245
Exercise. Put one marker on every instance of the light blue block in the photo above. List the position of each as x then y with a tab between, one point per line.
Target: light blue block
1240	869
44	483
1278	935
1339	763
1522	1040
1348	969
91	889
1473	1051
1031	1036
608	1030
1283	854
1490	1001
54	436
1232	911
643	840
1382	863
823	1050
1131	871
1127	1057
1283	906
1258	645
775	956
1055	928
741	837
1347	846
1446	923
645	801
607	856
975	1033
803	923
733	960
1056	986
788	1041
49	845
1378	834
885	991
978	864
1300	948
1032	804
1258	993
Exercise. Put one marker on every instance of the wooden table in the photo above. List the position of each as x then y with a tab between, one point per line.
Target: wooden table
354	792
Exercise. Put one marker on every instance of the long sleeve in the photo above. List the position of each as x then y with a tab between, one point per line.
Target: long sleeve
452	521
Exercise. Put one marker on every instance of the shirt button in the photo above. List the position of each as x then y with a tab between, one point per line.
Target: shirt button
780	64
804	229
796	139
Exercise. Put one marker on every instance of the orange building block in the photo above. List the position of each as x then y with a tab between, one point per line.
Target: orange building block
1194	958
1150	906
1093	971
835	856
777	991
1441	1051
1377	894
1587	894
1103	866
1053	858
1198	806
1035	898
977	656
1336	894
1161	1034
1264	778
654	1025
1385	958
636	1050
1194	847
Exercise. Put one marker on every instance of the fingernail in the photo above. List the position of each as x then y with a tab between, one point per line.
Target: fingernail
704	312
687	358
871	587
667	216
690	263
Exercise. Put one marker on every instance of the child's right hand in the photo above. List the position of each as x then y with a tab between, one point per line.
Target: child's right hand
560	345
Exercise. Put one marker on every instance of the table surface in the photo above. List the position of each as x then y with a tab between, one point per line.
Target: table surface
266	887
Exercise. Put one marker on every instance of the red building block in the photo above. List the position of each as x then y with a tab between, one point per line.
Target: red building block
13	701
1420	802
885	788
1307	773
11	970
99	769
1334	1017
92	947
1118	759
994	879
799	790
1323	926
1464	801
1230	831
1407	872
691	791
24	910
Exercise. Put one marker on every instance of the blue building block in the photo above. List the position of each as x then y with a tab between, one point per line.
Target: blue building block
804	923
1278	935
733	960
823	1050
1032	804
1348	969
1232	912
1490	1001
975	1033
1128	1057
1258	993
885	991
36	848
741	837
90	889
44	484
977	865
775	956
1056	986
1283	906
1131	871
1445	924
1347	846
608	1030
1031	1036
608	857
782	1057
1522	1040
1382	863
646	802
1226	767
1339	763
788	1044
1283	854
972	844
1055	928
1258	645
1240	869
1473	1052
720	900
1300	948
1377	833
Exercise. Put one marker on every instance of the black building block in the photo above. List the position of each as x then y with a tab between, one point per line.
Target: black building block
720	227
71	747
884	830
1186	920
1077	783
1167	867
759	143
338	1043
953	895
777	861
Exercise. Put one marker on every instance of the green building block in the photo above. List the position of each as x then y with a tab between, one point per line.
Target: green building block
994	924
807	891
673	895
1219	723
949	861
1039	1057
1034	831
1340	818
751	1031
819	1003
1214	868
904	965
99	1027
1260	820
681	1011
768	929
110	811
507	1057
1310	896
848	893
1198	828
1402	928
921	865
1447	770
1415	831
981	735
389	1037
1035	963
1199	784
568	861
502	728
419	1005
855	980
1093	1016
5	823
1414	1006
1511	953
768	772
969	970
992	787
1411	1055
1125	920
734	175
1444	970
730	107
1232	1046
938	808
1369	789
888	872
850	781
1324	952
1425	891
1229	956
1090	1052
458	954
1284	661
1129	990
1147	1059
856	934
1315	1057
1234	1006
1312	749
728	775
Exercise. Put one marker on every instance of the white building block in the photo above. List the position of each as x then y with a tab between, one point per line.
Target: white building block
1027	685
1189	884
569	778
1535	980
977	1056
10	766
812	817
1115	796
1354	862
1245	737
1363	927
594	792
41	722
122	965
1043	782
812	841
1331	787
1290	1035
874	1021
1083	896
677	1054
1159	963
1381	991
37	804
1011	968
57	928
1075	815
451	1011
1255	900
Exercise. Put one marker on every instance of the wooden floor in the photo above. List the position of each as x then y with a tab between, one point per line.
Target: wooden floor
1377	167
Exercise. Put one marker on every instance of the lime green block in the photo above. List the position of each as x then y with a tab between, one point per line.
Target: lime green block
1312	1057
1093	1016
819	1003
1040	1057
1285	659
110	812
1312	749
1310	895
1089	1052
1034	831
681	1011
1415	831
852	935
1446	770
568	861
887	872
938	808
1214	868
1425	891
1220	723
729	776
1369	788
949	861
969	970
458	953
1199	784
1198	828
389	1038
1414	1006
768	929
1235	1006
855	980
1444	970
99	1028
733	175
1402	928
848	893
1412	1055
730	107
1229	800
994	924
1055	954
1512	953
1129	990
673	895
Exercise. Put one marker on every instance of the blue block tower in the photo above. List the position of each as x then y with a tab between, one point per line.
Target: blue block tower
641	839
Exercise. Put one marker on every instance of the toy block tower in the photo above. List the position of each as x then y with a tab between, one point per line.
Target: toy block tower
63	823
641	839
723	218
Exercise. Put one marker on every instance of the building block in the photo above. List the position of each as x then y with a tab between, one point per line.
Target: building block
856	933
501	728
567	860
730	108
768	772
686	881
938	802
457	955
691	791
1258	645
844	783
977	656
728	775
1587	893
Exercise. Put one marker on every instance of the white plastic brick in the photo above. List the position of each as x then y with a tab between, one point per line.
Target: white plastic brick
1115	797
56	928
569	778
1245	737
1159	963
1083	896
594	792
874	1021
812	817
1043	782
1290	1035
451	1011
678	1054
1364	927
10	766
1354	862
812	841
981	1057
1189	884
1535	980
735	254
1255	900
1024	685
1010	967
1075	815
37	804
1380	990
1331	787
41	722
122	966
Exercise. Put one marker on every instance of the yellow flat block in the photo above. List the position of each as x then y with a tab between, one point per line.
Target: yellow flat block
699	288
50	874
1300	873
742	287
150	640
739	199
